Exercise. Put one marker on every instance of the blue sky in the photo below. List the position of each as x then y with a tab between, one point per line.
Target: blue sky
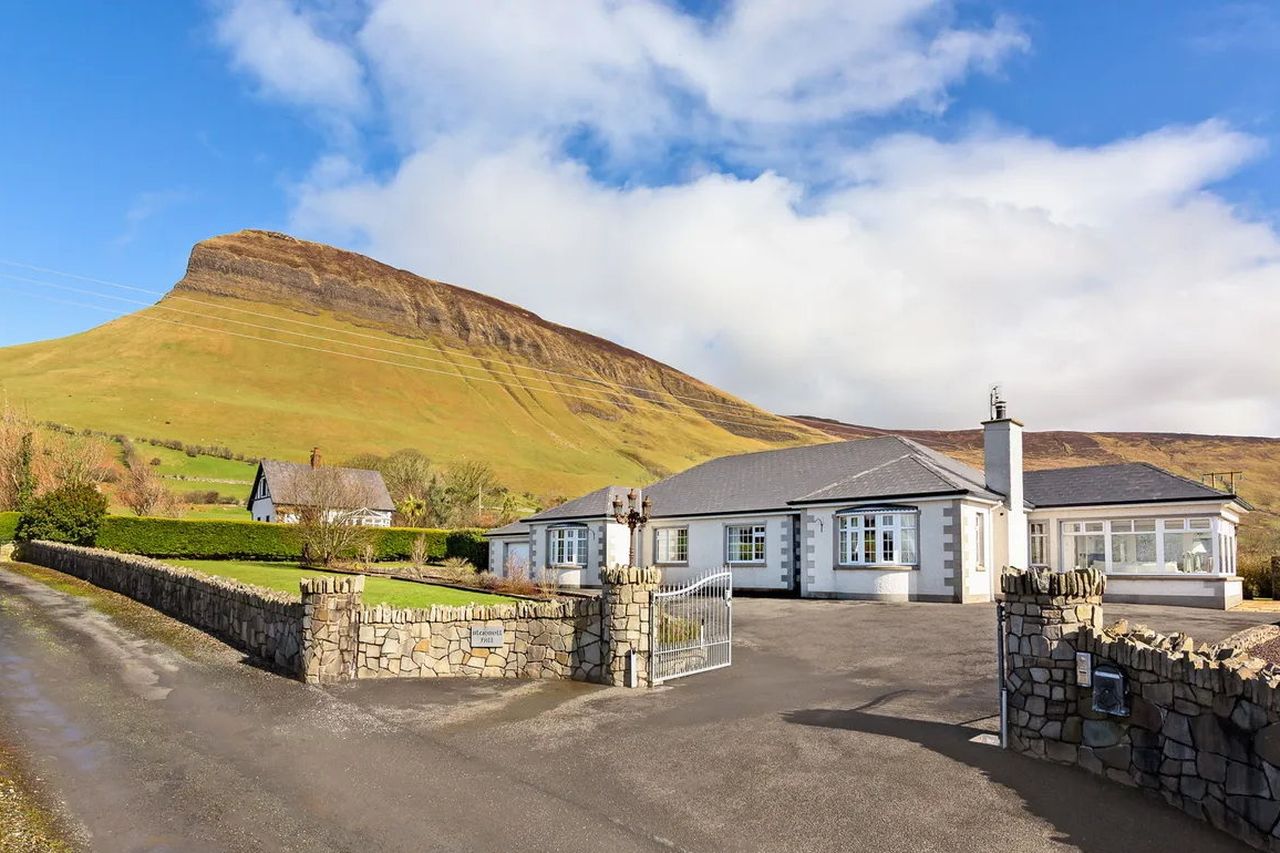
130	136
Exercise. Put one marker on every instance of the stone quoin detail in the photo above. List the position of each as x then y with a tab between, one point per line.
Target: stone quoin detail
1203	725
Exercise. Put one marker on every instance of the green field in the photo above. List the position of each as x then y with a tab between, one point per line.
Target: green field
303	376
285	577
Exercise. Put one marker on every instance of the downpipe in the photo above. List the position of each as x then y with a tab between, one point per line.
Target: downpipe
1001	679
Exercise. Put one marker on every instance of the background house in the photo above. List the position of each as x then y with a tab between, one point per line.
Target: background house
889	519
283	491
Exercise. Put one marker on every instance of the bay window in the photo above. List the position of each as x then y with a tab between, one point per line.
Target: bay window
568	546
1150	545
745	543
671	545
870	538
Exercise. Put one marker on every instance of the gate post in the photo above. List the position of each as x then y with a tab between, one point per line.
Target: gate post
626	610
330	626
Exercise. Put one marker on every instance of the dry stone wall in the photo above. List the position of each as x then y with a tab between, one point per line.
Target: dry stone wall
330	636
1201	728
261	622
556	639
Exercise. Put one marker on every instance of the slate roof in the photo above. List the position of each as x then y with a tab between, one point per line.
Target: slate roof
770	480
1126	483
287	483
515	528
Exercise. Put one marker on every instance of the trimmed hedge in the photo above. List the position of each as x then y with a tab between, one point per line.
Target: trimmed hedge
8	523
215	539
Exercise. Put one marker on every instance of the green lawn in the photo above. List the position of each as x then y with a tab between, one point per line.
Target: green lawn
285	577
178	463
221	512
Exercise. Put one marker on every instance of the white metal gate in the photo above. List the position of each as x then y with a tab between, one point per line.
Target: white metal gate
692	627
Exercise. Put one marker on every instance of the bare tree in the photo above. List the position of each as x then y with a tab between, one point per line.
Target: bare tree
326	505
469	485
142	491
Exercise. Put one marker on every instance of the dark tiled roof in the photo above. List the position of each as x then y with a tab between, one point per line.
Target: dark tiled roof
515	528
1093	485
294	484
870	468
593	505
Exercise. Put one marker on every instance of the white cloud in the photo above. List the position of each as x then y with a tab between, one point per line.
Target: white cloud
1106	287
283	48
1098	301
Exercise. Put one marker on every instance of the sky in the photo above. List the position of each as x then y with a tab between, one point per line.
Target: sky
862	210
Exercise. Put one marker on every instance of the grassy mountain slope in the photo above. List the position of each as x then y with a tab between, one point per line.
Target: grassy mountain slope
1188	455
244	352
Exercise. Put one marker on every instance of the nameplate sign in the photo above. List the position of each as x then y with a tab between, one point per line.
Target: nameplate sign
1084	669
486	637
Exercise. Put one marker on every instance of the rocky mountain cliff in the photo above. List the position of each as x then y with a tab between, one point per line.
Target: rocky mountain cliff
271	345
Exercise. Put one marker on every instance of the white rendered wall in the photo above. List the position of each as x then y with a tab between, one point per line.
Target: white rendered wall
707	539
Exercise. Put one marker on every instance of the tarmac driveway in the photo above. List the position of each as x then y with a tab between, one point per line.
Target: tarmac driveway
840	726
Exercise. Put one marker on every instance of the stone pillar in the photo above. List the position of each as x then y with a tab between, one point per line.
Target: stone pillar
330	628
625	612
1045	610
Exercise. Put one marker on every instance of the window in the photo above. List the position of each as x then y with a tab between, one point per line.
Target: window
1133	545
1085	544
980	540
1188	545
672	545
878	538
568	546
745	543
1038	543
1149	545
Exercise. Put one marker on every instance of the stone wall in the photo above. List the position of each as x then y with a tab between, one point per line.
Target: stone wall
556	639
1202	728
260	622
330	636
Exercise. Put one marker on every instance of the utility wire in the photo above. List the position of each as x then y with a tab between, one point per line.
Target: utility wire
713	417
602	387
741	408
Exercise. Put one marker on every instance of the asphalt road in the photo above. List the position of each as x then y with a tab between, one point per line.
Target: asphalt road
841	726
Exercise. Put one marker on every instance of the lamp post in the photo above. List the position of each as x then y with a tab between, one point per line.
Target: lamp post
634	514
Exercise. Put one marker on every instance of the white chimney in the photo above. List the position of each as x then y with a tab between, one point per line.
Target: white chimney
1002	464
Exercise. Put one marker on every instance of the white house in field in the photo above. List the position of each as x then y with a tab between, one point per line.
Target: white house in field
283	490
888	519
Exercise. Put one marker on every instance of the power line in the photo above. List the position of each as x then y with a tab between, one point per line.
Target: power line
713	417
602	386
742	408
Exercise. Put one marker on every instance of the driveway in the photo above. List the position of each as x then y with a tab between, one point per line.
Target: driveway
841	726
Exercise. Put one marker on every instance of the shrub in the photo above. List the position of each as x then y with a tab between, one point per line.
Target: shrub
71	513
259	540
1255	575
211	539
8	524
468	544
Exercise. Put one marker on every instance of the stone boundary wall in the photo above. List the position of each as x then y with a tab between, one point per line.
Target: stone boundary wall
555	639
1203	725
330	636
261	622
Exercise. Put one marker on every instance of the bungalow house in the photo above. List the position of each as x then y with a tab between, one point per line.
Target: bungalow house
889	519
282	491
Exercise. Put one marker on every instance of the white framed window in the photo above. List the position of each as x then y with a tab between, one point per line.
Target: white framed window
745	543
671	545
1038	543
1149	546
980	540
568	546
878	538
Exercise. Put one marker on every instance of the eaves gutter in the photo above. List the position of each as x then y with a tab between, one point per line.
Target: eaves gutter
1202	499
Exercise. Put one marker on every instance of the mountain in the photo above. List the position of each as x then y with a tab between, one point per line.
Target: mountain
1189	455
270	345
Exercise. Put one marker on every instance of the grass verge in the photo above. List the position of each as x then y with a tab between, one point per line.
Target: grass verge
27	822
285	577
